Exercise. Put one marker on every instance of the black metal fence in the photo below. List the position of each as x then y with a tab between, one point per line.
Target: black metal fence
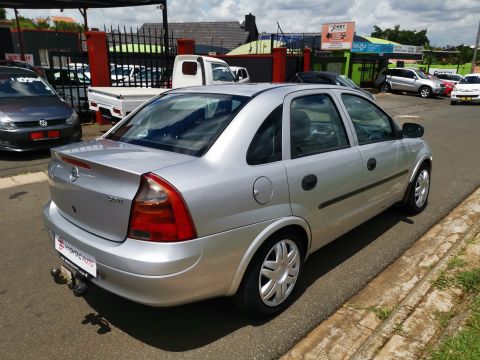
140	58
69	74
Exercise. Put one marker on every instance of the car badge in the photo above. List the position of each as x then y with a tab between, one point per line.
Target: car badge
43	123
73	174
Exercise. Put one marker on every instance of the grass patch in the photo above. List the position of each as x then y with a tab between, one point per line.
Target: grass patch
443	281
443	318
466	344
469	280
456	262
381	313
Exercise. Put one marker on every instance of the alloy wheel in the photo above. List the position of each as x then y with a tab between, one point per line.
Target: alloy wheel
422	187
279	272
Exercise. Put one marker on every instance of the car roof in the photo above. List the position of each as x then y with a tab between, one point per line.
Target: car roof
16	70
252	89
473	74
328	73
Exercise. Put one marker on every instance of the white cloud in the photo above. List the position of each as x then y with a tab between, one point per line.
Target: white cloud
447	22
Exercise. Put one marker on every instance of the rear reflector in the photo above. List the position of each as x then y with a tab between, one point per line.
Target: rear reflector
93	104
159	213
76	162
53	133
117	111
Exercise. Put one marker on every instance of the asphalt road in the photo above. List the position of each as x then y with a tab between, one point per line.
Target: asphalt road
40	319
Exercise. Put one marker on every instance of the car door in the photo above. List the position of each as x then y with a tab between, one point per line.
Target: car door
323	167
409	80
384	154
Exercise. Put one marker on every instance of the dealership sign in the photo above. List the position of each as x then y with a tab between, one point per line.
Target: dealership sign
17	57
366	47
338	36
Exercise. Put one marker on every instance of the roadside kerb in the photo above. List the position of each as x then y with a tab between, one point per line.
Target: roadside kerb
370	324
23	179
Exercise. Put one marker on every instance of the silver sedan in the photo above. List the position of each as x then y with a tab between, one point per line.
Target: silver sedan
226	190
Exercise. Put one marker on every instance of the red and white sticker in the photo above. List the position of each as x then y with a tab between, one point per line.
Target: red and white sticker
78	257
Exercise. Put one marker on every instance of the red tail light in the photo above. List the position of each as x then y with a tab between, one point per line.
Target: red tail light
159	213
76	162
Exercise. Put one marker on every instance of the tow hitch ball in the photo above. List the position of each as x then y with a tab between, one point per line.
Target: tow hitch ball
62	275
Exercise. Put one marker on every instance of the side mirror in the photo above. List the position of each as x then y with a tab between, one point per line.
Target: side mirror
238	77
411	130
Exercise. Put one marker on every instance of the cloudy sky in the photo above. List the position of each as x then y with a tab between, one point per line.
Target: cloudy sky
448	22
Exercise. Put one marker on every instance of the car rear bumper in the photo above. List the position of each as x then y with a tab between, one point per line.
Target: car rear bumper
160	274
19	139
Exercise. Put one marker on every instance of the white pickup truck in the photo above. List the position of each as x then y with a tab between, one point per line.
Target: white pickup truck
114	103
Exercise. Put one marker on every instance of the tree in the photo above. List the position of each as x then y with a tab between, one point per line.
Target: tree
404	37
66	26
3	14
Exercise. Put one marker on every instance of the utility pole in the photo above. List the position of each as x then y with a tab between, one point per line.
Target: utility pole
474	60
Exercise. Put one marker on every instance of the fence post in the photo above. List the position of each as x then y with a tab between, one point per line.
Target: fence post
98	61
279	64
186	46
307	55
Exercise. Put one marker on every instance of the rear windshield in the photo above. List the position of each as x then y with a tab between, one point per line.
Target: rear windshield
183	123
25	85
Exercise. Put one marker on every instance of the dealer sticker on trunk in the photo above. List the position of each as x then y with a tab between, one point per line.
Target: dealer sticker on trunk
77	257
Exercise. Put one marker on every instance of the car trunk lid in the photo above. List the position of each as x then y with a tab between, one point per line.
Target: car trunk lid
93	183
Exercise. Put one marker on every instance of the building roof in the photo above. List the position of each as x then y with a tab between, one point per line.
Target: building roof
224	34
66	19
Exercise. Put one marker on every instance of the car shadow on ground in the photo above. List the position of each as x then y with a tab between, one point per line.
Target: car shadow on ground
24	156
192	326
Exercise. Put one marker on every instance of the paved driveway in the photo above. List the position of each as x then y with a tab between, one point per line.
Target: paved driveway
39	319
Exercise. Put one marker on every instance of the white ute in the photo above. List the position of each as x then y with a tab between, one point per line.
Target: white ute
115	103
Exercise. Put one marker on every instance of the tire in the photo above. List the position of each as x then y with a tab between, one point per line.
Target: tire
425	92
385	88
453	102
416	198
285	278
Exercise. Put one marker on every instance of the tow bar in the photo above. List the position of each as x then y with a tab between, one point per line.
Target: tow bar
62	275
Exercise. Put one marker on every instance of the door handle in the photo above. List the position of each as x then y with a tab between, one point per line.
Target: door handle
371	164
309	182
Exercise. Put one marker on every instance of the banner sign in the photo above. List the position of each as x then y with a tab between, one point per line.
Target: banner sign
18	57
366	47
338	36
407	49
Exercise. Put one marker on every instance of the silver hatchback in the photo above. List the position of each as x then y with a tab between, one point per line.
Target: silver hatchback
226	190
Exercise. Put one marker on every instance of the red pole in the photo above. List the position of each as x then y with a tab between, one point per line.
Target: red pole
307	55
98	61
279	64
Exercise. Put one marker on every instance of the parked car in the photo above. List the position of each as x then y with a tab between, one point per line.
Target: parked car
325	77
71	85
124	74
448	85
199	193
453	78
32	115
409	80
241	74
467	90
149	77
24	65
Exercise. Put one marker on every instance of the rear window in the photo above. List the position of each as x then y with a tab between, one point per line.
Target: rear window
182	123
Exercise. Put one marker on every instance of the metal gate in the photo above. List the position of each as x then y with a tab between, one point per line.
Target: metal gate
69	74
140	58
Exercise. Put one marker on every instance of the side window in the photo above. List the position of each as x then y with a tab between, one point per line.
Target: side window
371	124
315	126
409	74
266	146
221	72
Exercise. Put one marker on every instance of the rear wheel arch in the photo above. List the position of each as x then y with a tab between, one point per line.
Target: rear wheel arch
291	224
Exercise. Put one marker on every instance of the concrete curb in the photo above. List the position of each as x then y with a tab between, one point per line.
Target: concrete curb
24	179
368	325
